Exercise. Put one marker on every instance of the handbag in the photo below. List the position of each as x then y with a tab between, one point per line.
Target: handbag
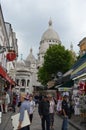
15	120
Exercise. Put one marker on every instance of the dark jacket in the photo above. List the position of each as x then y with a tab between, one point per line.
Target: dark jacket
65	107
43	107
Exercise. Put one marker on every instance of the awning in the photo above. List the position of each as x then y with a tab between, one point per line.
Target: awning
79	73
4	74
67	84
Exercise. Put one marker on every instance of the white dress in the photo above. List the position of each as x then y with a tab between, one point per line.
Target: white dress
76	108
32	107
59	105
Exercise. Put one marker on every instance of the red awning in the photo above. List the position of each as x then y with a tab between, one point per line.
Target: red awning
4	74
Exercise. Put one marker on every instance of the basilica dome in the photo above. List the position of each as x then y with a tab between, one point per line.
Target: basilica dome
20	63
30	58
50	34
21	66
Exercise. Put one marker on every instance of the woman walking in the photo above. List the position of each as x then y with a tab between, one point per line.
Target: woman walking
32	107
51	110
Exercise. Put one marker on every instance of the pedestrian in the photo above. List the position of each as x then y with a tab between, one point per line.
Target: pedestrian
32	107
36	98
51	110
43	110
14	102
59	105
0	111
65	111
77	107
27	95
25	105
6	101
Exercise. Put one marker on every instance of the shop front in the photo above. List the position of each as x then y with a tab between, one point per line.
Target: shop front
79	77
5	80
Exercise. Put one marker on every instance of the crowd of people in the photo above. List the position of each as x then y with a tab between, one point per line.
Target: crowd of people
48	104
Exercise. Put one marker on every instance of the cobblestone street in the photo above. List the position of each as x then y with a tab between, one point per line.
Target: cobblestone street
36	124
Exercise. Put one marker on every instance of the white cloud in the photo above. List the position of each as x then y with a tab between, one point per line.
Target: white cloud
29	19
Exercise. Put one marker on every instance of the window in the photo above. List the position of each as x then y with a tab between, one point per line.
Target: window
28	81
23	82
17	81
22	89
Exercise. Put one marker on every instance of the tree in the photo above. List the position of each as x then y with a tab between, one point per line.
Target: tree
56	59
43	75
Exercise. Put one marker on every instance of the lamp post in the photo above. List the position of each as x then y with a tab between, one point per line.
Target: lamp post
59	74
57	77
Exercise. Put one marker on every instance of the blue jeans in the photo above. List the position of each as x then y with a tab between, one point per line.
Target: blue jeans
25	128
65	123
46	120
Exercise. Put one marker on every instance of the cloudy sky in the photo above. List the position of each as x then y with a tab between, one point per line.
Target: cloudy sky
29	19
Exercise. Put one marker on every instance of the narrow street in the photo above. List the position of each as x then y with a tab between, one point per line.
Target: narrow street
36	124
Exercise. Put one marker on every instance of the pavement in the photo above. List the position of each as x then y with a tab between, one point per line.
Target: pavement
36	124
78	122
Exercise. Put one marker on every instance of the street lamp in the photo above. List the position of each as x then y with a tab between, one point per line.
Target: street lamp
57	77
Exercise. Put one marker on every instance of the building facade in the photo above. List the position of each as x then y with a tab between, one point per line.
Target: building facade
49	37
82	45
26	74
26	70
6	42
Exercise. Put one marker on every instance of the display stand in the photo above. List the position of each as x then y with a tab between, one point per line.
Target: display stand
83	109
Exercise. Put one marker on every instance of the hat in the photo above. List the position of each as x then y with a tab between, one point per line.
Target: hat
26	97
65	96
50	95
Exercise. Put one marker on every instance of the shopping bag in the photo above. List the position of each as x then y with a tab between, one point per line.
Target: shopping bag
15	120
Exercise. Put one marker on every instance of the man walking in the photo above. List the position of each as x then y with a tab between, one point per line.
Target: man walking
43	110
25	105
65	111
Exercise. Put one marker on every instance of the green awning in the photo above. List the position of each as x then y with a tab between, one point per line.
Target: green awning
68	84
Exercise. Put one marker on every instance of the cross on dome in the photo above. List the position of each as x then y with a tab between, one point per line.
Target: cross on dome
31	50
50	22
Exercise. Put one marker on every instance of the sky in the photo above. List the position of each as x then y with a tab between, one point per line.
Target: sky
29	19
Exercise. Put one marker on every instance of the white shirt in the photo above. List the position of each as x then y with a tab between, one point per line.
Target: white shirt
52	106
7	98
32	107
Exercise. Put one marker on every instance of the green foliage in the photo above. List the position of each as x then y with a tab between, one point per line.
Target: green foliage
56	59
43	76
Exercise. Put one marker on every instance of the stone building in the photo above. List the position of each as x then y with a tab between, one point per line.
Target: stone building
26	70
82	45
7	41
49	37
26	73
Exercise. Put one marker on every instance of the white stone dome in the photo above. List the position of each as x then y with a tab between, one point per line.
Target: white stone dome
50	34
21	66
20	63
30	58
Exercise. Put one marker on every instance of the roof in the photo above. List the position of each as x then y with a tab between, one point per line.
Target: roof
79	62
50	33
79	67
30	58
